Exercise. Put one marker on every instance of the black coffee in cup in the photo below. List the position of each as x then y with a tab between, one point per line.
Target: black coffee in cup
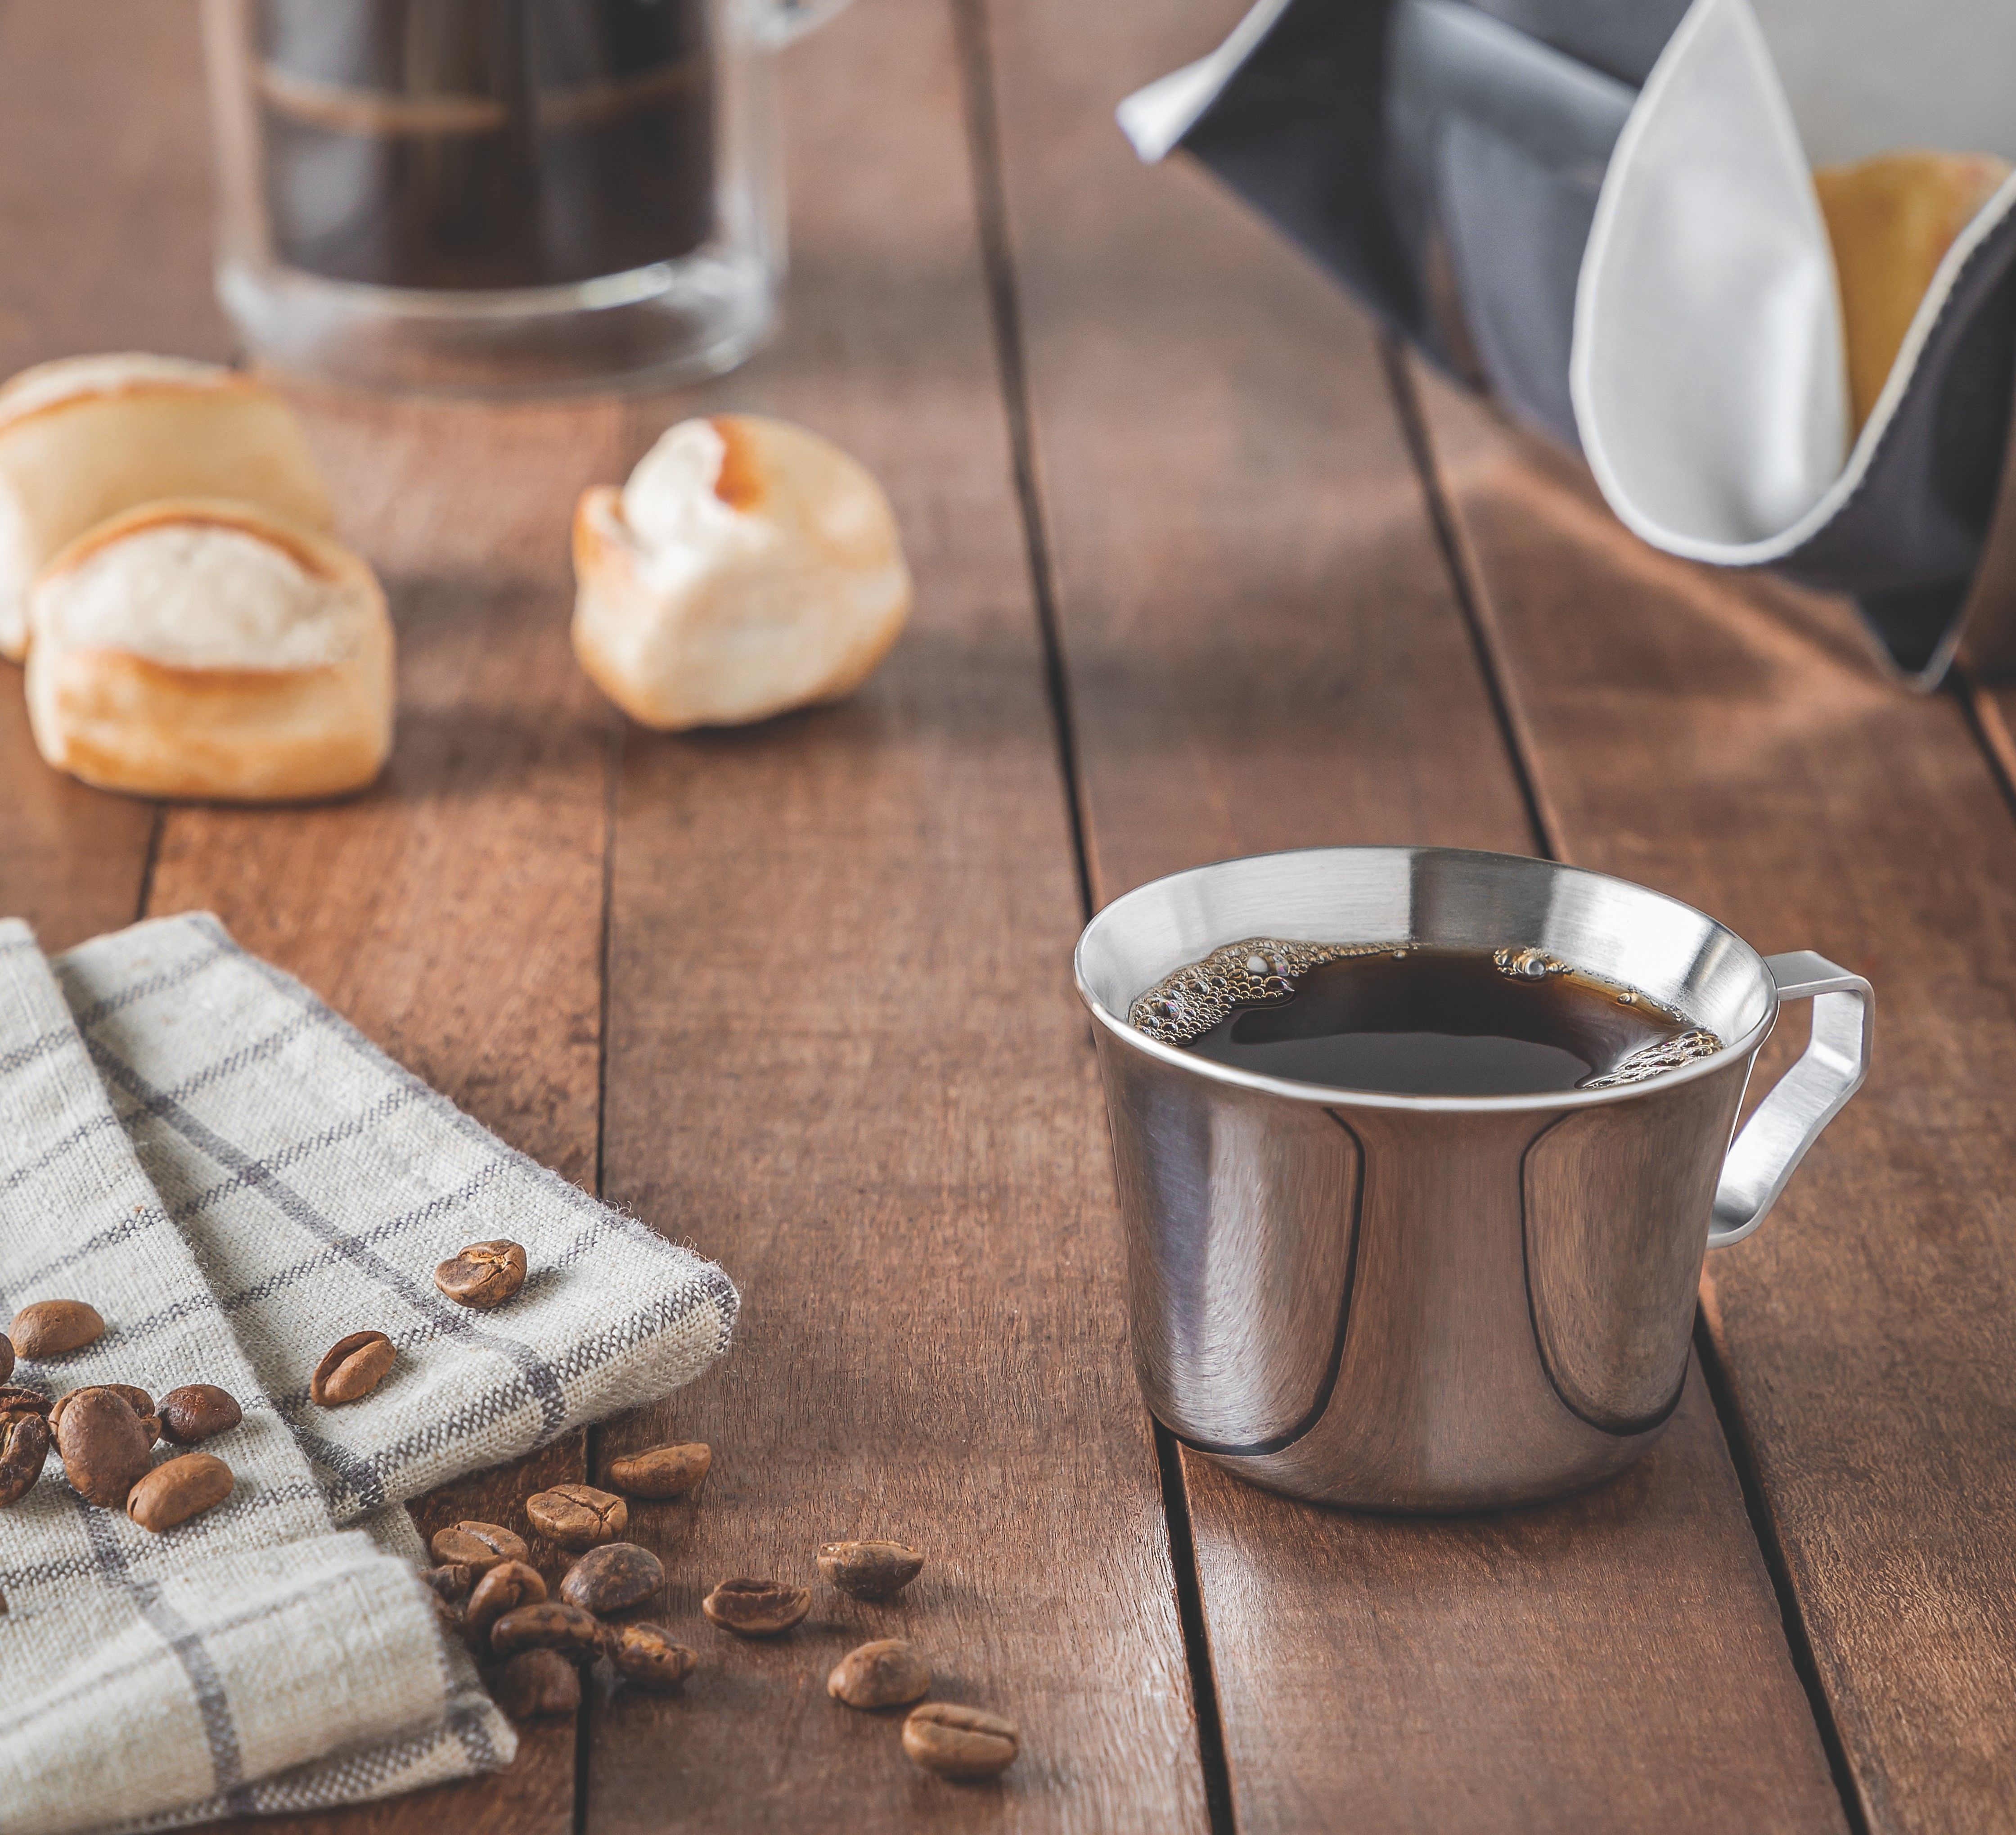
484	144
1406	1019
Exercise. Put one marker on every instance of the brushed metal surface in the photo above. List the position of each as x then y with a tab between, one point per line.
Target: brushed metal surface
1403	1302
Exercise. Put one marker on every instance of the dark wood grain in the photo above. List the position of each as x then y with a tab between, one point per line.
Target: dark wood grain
1733	746
844	1056
104	245
1264	652
454	911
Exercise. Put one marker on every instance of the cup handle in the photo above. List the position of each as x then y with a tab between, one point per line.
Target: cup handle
1807	1098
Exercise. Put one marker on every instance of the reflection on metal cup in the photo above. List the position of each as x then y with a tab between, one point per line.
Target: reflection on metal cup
1440	1303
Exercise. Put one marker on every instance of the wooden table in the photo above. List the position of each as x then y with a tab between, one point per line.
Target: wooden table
1202	569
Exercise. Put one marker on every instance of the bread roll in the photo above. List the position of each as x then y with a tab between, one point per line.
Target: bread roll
1891	220
85	438
201	648
747	567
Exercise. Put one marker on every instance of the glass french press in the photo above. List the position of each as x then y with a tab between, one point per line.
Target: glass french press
499	196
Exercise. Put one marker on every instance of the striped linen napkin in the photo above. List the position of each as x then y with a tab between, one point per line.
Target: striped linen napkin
235	1178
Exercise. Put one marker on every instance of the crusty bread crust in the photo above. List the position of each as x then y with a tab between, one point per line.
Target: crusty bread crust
1891	220
71	462
725	648
49	388
130	722
315	556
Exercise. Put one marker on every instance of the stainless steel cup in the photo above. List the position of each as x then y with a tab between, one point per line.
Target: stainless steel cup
1433	1303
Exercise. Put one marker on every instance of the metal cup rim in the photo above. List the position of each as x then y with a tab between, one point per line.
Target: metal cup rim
1737	1050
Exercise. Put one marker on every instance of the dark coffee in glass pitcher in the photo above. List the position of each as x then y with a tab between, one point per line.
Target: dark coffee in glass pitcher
458	145
1408	1019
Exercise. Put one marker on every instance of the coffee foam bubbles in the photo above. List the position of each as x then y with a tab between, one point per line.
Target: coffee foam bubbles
1261	971
1258	973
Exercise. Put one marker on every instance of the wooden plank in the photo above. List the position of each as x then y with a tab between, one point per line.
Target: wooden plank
843	1055
1732	745
105	198
415	910
1263	652
454	912
104	245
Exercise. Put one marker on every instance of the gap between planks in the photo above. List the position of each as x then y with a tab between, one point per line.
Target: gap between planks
973	44
1467	582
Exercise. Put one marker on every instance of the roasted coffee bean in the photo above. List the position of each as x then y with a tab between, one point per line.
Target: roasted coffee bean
506	1586
6	1357
451	1581
197	1411
15	1400
869	1570
24	1445
613	1578
137	1400
354	1367
449	1613
480	1546
888	1673
661	1472
178	1489
536	1684
756	1608
646	1654
552	1625
577	1516
54	1328
960	1741
102	1446
483	1275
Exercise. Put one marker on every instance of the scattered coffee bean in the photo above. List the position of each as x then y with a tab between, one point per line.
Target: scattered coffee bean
354	1367
756	1608
54	1328
24	1445
577	1516
661	1472
483	1275
535	1684
552	1625
198	1412
137	1400
613	1578
646	1654
480	1546
964	1742
451	1581
6	1357
178	1489
449	1612
506	1586
888	1673
102	1446
869	1570
15	1400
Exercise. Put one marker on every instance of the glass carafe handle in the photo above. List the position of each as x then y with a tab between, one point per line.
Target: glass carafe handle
773	22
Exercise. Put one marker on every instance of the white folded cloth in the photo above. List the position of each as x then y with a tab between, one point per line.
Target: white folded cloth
235	1178
1711	389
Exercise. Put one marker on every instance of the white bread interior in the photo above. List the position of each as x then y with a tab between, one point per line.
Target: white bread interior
206	649
86	437
748	567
